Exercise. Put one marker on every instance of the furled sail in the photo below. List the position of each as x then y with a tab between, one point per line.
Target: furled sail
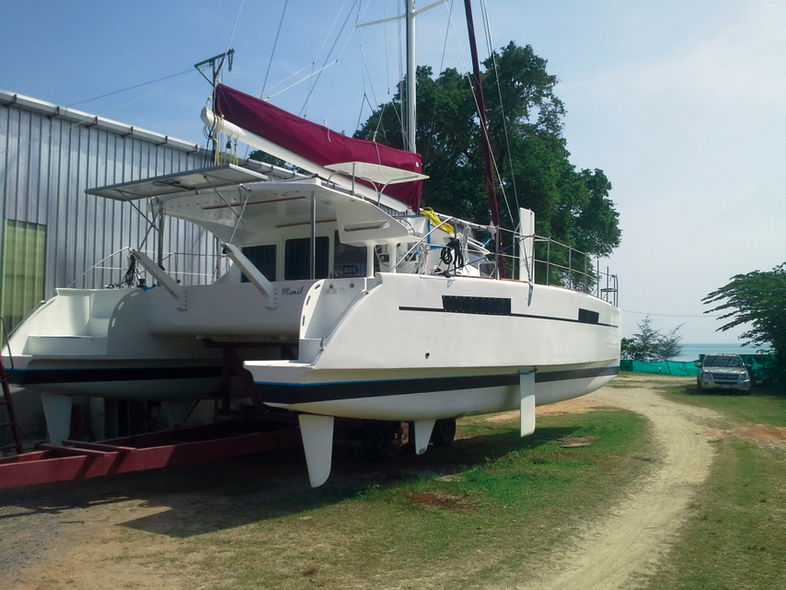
315	142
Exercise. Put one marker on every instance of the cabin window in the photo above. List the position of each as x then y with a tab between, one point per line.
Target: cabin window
264	258
23	266
297	261
348	261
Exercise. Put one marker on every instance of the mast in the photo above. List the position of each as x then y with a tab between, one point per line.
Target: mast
411	75
477	89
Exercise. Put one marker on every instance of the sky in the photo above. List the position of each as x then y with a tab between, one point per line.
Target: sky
682	103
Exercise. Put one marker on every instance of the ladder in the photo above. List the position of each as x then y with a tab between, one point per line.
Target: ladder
11	416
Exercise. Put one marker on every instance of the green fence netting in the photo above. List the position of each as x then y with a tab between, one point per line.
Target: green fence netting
758	365
685	369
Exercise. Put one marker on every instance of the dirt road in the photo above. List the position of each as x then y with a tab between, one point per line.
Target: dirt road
626	545
96	534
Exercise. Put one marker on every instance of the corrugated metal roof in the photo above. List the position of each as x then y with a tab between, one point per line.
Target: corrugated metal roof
88	120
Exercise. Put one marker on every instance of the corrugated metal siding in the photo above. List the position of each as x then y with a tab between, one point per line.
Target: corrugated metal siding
46	164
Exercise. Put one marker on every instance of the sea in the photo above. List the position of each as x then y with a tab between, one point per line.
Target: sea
691	352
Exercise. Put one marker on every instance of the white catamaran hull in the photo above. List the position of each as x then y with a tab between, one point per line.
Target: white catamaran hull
450	347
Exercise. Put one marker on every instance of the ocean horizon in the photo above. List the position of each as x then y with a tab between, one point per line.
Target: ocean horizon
691	351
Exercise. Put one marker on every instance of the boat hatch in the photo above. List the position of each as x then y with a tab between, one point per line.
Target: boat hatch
191	180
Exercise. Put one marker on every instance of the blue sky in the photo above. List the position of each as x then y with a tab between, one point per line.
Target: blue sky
682	103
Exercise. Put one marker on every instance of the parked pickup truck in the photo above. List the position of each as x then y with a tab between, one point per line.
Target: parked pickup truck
722	371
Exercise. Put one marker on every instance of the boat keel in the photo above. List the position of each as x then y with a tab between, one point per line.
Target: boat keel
317	434
423	430
527	402
57	412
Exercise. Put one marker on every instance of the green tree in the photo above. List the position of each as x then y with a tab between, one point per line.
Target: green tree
530	152
650	344
756	300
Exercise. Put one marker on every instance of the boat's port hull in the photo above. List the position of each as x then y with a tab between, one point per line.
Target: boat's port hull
127	380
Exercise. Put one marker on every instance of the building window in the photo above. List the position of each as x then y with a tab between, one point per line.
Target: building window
297	261
23	267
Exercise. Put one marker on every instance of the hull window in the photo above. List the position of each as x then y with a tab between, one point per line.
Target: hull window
587	316
476	305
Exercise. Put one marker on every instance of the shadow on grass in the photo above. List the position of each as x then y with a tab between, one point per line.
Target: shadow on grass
218	495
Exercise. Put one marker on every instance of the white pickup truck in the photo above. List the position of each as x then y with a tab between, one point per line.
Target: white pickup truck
722	371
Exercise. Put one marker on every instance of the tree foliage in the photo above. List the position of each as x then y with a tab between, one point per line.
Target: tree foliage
649	344
756	300
525	131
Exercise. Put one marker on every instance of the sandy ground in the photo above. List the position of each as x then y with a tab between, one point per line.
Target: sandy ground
95	534
626	545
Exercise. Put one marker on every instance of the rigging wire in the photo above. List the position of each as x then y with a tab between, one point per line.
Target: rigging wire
273	51
221	74
303	79
234	27
430	136
387	44
364	73
75	124
484	18
329	102
484	12
445	42
327	57
467	67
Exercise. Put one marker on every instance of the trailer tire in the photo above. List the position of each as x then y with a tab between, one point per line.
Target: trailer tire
444	432
379	440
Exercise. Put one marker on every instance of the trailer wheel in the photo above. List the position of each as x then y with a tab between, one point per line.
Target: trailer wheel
444	432
379	439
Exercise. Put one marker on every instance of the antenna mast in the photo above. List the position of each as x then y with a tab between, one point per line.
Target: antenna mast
216	63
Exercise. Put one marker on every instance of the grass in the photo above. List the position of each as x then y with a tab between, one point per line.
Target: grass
736	536
479	510
763	405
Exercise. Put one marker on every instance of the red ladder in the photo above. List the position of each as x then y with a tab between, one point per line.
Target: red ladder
11	415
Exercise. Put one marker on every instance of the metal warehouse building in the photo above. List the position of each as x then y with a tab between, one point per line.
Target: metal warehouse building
52	234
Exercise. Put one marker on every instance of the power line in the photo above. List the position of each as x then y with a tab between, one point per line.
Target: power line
674	315
131	88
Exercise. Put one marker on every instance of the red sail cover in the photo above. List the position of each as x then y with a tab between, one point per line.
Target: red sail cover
316	142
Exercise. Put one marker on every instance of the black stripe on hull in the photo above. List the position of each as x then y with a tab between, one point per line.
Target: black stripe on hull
512	315
41	376
320	392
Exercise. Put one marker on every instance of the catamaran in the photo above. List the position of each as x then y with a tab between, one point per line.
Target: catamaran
343	299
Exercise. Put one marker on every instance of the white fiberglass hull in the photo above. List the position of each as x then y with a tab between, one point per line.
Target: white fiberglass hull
99	342
434	347
461	342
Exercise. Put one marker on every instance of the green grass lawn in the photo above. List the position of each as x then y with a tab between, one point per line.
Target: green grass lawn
764	405
479	510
